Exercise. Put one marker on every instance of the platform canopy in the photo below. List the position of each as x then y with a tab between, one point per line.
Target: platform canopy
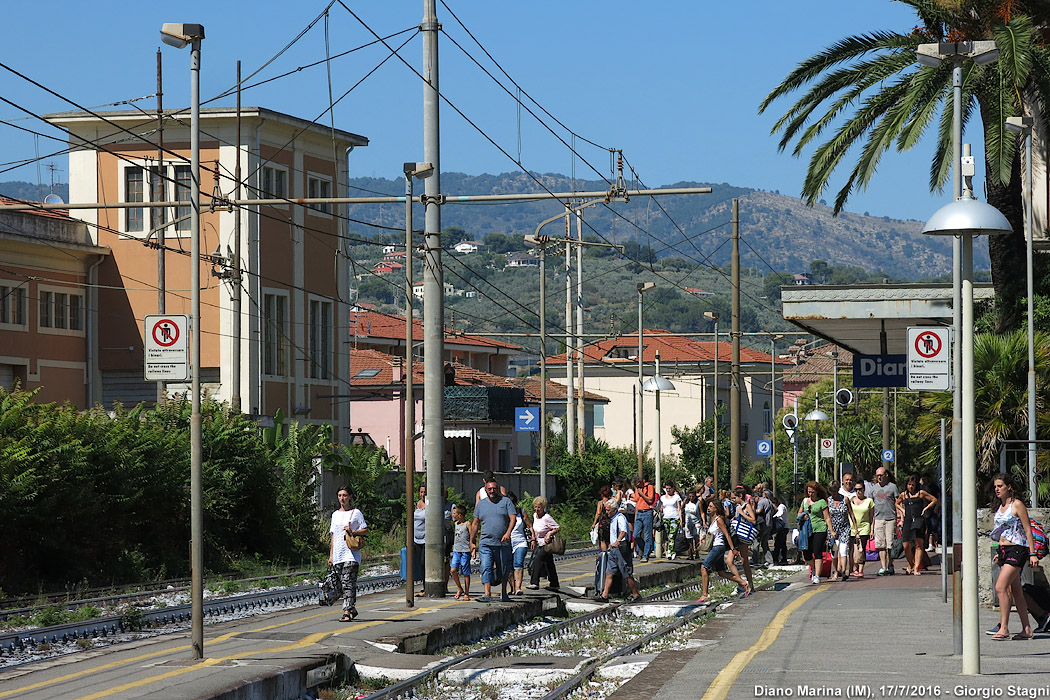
853	316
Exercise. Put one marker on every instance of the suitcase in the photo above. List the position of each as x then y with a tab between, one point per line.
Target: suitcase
827	563
417	566
600	570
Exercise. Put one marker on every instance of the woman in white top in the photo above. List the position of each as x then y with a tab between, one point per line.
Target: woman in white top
671	511
691	520
343	562
519	545
722	551
1013	530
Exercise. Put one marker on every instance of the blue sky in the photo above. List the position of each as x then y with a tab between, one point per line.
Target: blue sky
674	84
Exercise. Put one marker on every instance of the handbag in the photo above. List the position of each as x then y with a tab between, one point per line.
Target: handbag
658	521
742	529
354	542
556	545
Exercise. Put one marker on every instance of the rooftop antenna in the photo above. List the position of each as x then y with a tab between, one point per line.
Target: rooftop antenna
53	198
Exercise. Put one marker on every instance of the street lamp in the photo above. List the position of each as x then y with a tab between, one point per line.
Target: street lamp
773	406
981	53
966	218
421	171
816	415
657	383
713	316
642	288
181	35
1024	125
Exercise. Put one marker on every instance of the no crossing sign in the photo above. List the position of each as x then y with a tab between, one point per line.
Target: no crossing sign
166	348
929	355
827	447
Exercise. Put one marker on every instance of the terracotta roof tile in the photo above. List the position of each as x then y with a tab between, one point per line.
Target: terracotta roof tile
47	213
624	348
379	325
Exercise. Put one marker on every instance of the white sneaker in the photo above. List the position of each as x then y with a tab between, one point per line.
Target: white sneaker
816	579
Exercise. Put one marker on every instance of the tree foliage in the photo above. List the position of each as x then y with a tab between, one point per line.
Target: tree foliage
93	497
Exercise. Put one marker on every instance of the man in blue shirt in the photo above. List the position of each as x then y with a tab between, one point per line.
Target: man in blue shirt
494	517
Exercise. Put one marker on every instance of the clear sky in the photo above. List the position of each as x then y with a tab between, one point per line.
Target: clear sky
675	84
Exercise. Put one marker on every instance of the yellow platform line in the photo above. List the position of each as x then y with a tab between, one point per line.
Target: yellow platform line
728	675
216	640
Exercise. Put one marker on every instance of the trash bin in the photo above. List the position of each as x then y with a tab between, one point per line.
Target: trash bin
417	566
1027	575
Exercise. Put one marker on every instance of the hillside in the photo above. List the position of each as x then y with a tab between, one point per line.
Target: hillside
779	232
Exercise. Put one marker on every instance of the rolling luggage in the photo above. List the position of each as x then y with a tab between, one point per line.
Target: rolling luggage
417	566
600	569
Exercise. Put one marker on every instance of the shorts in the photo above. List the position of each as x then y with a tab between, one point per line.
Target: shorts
519	556
861	541
461	563
884	531
618	564
498	555
841	546
1014	555
716	559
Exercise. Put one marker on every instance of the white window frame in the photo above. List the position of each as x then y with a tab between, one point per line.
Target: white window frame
279	344
47	297
180	230
312	179
264	193
14	294
320	360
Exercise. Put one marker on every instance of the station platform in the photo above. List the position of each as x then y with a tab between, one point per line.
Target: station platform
875	637
278	655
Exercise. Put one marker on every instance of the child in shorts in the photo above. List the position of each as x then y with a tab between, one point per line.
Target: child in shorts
460	565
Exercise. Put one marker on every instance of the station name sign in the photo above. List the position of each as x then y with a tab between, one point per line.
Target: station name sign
880	371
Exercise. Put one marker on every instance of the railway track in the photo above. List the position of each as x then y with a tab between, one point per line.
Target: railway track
416	686
140	619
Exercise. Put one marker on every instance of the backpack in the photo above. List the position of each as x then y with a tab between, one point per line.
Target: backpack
1038	538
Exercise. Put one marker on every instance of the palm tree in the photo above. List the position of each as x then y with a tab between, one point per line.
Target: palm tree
894	101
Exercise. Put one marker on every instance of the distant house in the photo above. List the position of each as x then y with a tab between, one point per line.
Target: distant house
394	255
803	278
417	290
698	292
468	247
387	267
390	249
522	260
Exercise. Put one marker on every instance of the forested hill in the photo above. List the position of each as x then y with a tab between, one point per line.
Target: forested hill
778	231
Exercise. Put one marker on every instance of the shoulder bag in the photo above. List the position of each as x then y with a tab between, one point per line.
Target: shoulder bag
556	545
742	529
354	542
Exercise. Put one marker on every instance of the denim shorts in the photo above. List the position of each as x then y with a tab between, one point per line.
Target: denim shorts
461	563
519	557
716	559
498	556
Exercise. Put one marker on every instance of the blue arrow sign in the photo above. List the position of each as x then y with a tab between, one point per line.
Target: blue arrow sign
887	455
764	448
526	419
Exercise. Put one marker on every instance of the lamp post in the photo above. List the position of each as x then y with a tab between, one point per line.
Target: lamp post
966	218
639	435
816	415
542	242
412	170
981	53
1024	125
773	406
657	383
180	36
713	316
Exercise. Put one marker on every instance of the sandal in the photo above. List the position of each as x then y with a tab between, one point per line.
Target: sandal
458	596
347	617
1001	637
703	599
1022	635
465	597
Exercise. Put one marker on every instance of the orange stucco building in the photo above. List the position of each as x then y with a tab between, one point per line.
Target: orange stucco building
294	282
